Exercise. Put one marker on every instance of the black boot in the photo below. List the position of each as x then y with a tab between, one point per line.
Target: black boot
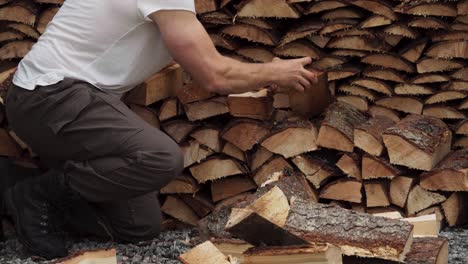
36	206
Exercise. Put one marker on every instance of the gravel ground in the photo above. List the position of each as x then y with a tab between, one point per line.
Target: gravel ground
167	248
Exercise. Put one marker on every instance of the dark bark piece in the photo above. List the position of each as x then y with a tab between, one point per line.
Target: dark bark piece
194	153
378	167
252	33
389	61
206	253
350	164
414	51
256	53
382	8
182	184
413	89
358	91
45	17
358	43
178	129
426	65
404	104
376	110
216	168
292	138
228	187
399	190
377	194
451	174
206	109
368	136
384	74
171	108
271	170
158	87
192	92
176	208
244	133
297	49
443	112
314	101
420	199
265	8
15	49
208	137
449	49
343	190
256	105
456	209
216	18
418	142
336	131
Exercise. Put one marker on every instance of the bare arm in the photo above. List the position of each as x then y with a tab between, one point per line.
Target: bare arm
191	46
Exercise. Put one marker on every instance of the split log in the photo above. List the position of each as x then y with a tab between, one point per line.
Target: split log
456	209
7	36
430	78
436	210
451	174
206	109
252	33
8	147
456	85
358	43
256	105
349	53
169	109
399	190
462	128
414	51
319	40
449	49
305	222
264	23
430	23
384	74
368	136
342	13
102	256
270	169
21	11
304	28
176	208
206	253
404	104
387	212
316	253
426	65
259	157
45	17
328	62
445	96
297	49
194	153
228	187
420	199
389	61
425	226
25	29
158	87
402	30
377	194
224	42
350	164
428	9
147	114
336	131
178	129
418	142
463	105
376	110
216	168
317	168
15	49
377	167
199	202
191	93
256	53
182	184
413	89
358	102
450	35
461	74
290	139
343	190
244	133
343	73
461	142
382	8
357	91
265	8
375	21
233	151
317	7
443	112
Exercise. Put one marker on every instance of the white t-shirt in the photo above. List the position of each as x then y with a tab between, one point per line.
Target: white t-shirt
111	44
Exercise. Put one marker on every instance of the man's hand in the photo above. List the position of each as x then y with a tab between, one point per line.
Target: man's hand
292	74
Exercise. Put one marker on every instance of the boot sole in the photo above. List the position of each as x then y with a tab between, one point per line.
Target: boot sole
10	205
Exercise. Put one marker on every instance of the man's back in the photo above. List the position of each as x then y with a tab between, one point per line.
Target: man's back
107	43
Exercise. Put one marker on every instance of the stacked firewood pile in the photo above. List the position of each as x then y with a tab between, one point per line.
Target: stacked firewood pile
395	141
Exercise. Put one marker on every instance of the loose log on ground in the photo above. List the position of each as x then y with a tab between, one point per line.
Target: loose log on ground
350	164
256	105
292	138
399	189
232	247
244	133
368	136
426	65
158	87
336	131
182	184
216	168
376	110
443	112
404	104
456	209
194	153
451	174
206	253
418	142
420	199
268	170
231	186
377	194
102	256
343	190
378	167
389	61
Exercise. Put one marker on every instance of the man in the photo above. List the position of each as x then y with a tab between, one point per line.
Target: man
65	103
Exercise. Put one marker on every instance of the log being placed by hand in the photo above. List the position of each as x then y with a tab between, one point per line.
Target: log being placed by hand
418	142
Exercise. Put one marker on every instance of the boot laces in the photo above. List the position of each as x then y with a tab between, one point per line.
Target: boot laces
52	219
